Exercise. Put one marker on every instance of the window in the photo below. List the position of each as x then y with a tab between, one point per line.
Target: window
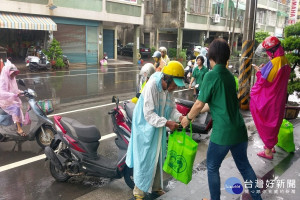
271	18
260	17
218	8
166	6
149	7
198	6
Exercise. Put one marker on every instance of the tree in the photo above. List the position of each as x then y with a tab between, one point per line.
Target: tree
55	53
291	44
260	36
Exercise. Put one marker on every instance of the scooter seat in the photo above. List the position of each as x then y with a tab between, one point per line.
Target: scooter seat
82	132
129	107
185	102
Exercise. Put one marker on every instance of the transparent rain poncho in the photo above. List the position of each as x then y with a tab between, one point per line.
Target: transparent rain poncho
9	100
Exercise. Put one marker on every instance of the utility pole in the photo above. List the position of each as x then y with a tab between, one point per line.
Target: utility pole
229	33
234	21
247	54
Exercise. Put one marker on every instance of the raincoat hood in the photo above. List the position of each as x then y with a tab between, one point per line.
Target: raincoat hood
8	86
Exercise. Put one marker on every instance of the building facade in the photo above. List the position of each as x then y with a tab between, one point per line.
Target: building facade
86	29
175	24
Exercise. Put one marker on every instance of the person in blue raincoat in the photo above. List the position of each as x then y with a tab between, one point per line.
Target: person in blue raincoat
154	111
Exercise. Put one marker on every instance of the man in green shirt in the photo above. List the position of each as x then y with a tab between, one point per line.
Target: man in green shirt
198	74
229	132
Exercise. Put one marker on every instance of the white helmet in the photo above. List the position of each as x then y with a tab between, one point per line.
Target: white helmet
197	50
162	49
147	70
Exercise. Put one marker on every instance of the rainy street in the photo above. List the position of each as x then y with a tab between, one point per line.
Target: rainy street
82	93
85	93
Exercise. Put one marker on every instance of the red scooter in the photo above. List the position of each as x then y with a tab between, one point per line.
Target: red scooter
202	123
77	145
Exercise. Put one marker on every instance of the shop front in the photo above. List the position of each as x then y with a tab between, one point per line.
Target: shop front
18	32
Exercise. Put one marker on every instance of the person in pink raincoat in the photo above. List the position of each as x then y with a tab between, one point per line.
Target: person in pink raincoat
268	95
9	95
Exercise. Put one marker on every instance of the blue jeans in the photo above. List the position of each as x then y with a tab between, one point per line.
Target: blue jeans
216	154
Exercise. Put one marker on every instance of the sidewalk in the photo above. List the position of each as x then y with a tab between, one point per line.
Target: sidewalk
283	170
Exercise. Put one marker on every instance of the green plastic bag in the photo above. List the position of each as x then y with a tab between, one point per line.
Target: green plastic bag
181	154
286	136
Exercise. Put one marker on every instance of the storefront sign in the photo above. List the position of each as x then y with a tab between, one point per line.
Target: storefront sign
293	12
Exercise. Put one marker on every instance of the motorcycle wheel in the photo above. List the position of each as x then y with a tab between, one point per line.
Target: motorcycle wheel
33	67
59	175
48	66
42	140
128	177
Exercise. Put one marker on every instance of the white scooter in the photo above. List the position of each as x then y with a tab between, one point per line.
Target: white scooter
40	129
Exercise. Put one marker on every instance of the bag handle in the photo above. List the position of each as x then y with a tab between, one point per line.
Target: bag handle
191	130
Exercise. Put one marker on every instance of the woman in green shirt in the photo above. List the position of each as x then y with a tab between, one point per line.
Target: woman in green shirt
229	132
198	74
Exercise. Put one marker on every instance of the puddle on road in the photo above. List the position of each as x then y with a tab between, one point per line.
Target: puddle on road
96	182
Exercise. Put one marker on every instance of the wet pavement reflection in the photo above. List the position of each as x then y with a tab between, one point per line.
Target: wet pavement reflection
79	84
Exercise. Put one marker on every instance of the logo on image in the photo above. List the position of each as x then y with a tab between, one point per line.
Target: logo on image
233	186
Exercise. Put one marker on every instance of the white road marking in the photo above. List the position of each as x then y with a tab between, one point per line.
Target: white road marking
94	107
40	157
83	109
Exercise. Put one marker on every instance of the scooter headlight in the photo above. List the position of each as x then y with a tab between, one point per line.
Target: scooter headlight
32	92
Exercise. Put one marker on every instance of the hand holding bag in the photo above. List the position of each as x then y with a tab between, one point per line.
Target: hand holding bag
181	154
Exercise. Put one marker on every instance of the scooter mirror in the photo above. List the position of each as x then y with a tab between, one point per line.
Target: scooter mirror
21	82
115	99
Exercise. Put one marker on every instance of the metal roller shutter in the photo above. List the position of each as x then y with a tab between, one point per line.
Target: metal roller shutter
92	45
72	39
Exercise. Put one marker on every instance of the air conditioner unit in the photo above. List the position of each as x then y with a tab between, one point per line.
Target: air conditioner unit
257	25
217	18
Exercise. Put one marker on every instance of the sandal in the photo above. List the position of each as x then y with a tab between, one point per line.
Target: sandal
138	197
273	149
22	134
158	193
263	154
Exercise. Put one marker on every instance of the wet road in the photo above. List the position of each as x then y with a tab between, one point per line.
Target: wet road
88	92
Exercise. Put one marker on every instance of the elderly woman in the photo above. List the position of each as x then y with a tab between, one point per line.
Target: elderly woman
9	95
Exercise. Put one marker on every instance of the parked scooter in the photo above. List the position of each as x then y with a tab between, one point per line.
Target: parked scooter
36	63
77	145
40	128
188	71
202	123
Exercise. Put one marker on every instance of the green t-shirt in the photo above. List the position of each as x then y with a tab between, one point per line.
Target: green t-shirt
218	90
198	74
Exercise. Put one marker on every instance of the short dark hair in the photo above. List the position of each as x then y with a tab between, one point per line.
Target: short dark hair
201	58
219	51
